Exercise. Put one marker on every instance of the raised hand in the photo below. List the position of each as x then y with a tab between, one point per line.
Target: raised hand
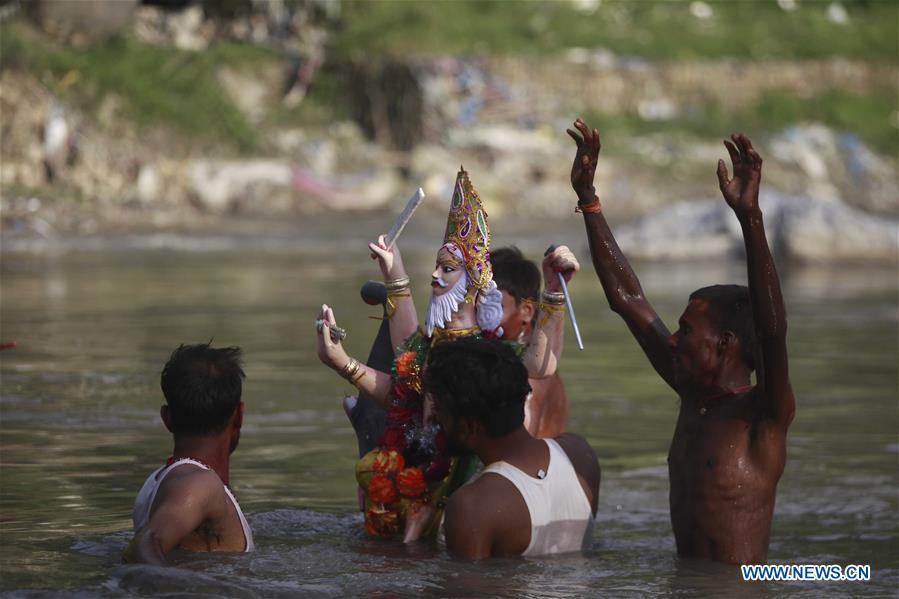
560	260
584	167
330	352
741	192
390	260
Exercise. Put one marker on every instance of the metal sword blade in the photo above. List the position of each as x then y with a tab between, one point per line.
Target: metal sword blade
577	331
404	218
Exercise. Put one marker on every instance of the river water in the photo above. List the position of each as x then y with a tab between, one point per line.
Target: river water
79	429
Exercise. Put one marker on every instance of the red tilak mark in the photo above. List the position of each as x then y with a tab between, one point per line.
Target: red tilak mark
7	345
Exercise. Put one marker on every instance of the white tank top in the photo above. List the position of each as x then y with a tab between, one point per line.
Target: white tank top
147	494
561	516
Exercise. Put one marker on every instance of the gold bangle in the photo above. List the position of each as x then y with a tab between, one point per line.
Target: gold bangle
397	284
547	310
358	380
392	297
350	369
553	298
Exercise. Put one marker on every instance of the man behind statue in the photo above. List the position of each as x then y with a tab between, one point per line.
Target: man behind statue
546	409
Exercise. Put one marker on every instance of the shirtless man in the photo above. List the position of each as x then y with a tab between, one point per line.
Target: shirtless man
534	497
546	410
729	445
187	502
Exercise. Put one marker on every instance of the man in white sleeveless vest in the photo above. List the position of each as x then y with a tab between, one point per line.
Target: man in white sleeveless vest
535	496
187	503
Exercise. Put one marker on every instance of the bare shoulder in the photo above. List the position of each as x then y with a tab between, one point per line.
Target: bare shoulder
585	463
469	535
486	502
579	451
190	484
464	500
471	499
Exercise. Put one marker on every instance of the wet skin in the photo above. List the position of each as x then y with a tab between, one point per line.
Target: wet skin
722	490
220	528
191	509
546	410
729	446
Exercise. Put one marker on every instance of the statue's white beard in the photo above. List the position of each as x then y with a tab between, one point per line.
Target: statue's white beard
442	307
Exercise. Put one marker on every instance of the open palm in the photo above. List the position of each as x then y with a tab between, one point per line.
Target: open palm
742	191
584	167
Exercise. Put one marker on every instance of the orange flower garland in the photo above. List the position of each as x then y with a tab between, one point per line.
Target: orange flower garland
405	364
381	489
381	522
408	370
388	462
411	482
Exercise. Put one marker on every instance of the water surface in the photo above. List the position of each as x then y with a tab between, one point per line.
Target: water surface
79	430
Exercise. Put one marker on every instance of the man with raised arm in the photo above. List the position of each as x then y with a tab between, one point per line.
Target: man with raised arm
729	446
518	279
187	502
535	496
408	476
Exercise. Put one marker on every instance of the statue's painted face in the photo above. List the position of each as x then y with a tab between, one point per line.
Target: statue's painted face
447	273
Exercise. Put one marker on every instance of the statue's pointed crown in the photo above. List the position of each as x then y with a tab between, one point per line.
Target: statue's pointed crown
467	227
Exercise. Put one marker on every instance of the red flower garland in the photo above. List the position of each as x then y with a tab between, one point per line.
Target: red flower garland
411	482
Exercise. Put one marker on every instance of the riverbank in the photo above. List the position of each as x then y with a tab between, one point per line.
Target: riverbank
144	133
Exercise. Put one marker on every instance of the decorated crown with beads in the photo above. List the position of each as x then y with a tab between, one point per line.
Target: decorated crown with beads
467	228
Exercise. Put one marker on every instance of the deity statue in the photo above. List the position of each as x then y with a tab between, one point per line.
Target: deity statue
408	476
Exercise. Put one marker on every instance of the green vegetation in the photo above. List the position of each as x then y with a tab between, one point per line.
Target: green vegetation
178	89
158	85
656	30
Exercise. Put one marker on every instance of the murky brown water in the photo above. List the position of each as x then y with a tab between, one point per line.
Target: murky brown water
79	430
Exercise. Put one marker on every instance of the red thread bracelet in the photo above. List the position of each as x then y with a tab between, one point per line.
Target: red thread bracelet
593	207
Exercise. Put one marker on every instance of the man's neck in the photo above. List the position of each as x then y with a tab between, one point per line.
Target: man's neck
214	452
725	385
503	448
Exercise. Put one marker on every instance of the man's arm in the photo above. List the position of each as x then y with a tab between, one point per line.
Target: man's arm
544	350
179	509
768	311
468	535
621	286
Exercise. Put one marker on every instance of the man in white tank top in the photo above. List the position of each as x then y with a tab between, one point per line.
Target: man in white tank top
187	502
534	497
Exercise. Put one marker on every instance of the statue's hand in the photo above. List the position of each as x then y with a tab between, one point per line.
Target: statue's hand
560	260
390	260
330	352
416	521
742	192
585	159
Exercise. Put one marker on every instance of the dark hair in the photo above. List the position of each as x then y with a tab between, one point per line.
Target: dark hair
202	387
515	274
478	379
731	309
